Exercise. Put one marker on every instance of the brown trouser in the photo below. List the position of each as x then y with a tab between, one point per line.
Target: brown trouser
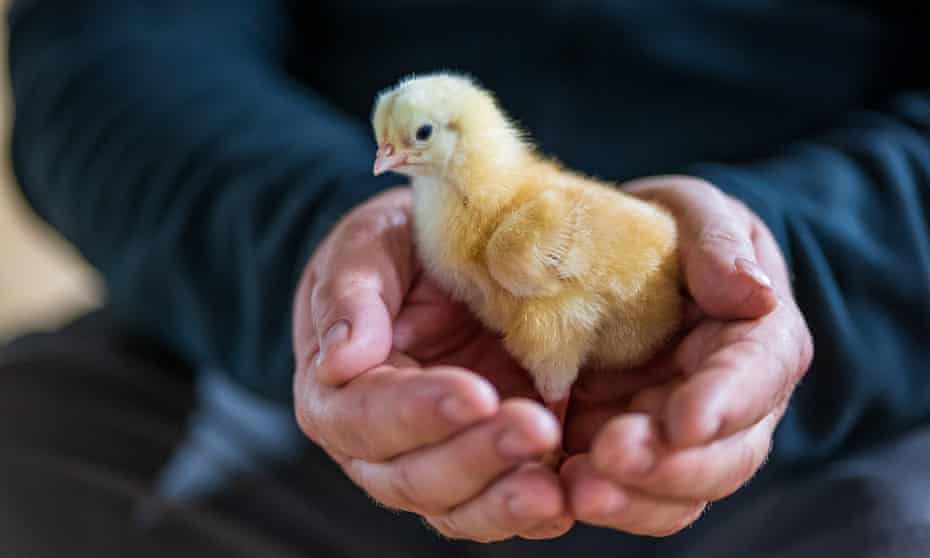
109	446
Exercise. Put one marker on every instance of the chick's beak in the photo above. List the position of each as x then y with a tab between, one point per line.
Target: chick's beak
386	159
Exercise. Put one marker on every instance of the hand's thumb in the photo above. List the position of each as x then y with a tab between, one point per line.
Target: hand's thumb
717	248
353	329
723	276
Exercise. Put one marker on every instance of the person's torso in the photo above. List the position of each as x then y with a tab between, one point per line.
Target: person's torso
624	88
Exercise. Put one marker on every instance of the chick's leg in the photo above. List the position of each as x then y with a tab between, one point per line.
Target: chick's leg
552	347
554	382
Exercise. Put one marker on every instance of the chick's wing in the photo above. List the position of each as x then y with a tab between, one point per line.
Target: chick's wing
541	246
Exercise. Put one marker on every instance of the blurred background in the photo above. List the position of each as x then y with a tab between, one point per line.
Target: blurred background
43	281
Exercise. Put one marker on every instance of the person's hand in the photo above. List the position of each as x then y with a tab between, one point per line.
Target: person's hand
654	445
420	405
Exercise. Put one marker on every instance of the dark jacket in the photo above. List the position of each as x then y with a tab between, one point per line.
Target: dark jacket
197	151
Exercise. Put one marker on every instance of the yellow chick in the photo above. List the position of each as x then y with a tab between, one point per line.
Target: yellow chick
573	272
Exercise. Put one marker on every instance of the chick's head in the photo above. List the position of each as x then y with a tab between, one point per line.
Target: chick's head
427	125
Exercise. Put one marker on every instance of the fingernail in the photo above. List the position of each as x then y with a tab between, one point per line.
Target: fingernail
457	411
337	333
751	269
514	445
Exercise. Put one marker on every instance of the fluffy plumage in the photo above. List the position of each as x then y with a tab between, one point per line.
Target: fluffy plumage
571	271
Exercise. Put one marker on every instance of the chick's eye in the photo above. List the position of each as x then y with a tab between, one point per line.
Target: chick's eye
424	132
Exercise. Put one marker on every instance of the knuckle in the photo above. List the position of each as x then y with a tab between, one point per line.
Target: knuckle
358	230
349	430
716	236
322	299
332	297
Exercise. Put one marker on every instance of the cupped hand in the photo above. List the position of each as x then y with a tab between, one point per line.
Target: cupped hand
654	445
420	405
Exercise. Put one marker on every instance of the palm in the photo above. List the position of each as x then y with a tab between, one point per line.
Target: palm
434	330
719	382
431	329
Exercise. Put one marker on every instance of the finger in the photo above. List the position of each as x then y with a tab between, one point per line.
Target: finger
630	451
718	255
524	501
738	390
596	500
599	395
652	401
360	283
434	479
737	374
390	411
355	331
584	425
306	345
771	259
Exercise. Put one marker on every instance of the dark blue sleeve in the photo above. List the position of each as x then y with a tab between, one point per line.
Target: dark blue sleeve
850	211
166	139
